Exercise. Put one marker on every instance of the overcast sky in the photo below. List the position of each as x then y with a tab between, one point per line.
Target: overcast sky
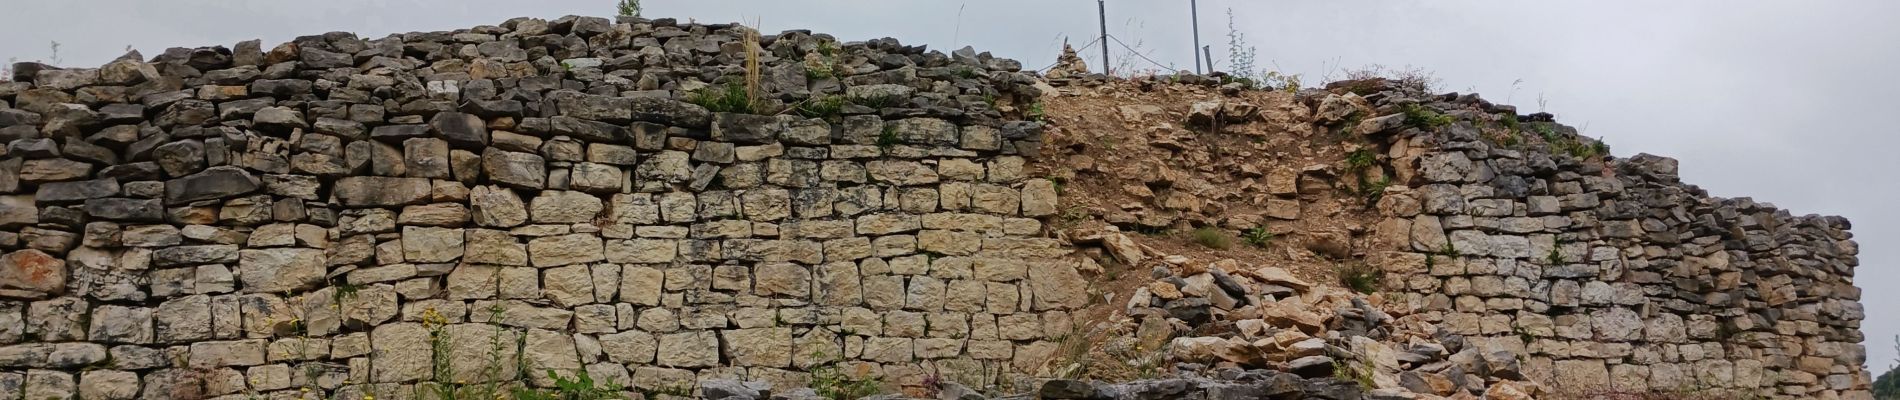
1787	102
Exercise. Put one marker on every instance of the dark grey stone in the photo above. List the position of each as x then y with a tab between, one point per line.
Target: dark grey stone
214	183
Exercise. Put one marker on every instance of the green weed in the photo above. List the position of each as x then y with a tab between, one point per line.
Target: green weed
582	387
1258	237
887	138
833	384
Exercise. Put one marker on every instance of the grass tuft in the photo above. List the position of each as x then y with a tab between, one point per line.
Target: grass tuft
728	98
827	107
1213	238
1359	277
1422	117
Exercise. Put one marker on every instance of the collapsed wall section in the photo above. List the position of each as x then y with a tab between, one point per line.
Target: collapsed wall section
1612	274
442	209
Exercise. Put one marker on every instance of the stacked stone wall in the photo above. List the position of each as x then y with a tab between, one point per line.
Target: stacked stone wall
354	217
1613	274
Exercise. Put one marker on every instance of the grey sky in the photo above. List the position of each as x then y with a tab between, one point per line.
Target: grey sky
1786	102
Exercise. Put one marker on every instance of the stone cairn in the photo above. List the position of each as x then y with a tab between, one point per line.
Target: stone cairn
1068	65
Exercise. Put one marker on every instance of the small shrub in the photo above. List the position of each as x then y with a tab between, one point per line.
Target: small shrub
1359	277
629	8
1422	117
830	383
729	98
1212	238
1544	130
1035	112
1361	374
1258	237
1360	160
1372	191
967	73
1289	83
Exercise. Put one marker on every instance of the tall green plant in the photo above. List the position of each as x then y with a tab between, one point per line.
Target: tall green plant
1240	54
629	8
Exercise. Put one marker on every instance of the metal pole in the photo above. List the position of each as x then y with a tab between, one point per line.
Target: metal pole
1195	6
1101	10
1209	50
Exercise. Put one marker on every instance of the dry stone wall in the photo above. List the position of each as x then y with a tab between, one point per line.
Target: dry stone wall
354	216
1612	274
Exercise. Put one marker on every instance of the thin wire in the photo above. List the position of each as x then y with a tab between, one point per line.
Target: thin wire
1059	61
1131	50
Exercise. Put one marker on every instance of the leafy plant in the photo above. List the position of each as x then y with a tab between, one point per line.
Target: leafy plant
1555	257
1243	67
1258	237
1887	386
1212	238
1422	117
967	73
1357	163
1359	277
1360	160
1372	191
1035	112
1240	55
827	48
582	387
831	383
